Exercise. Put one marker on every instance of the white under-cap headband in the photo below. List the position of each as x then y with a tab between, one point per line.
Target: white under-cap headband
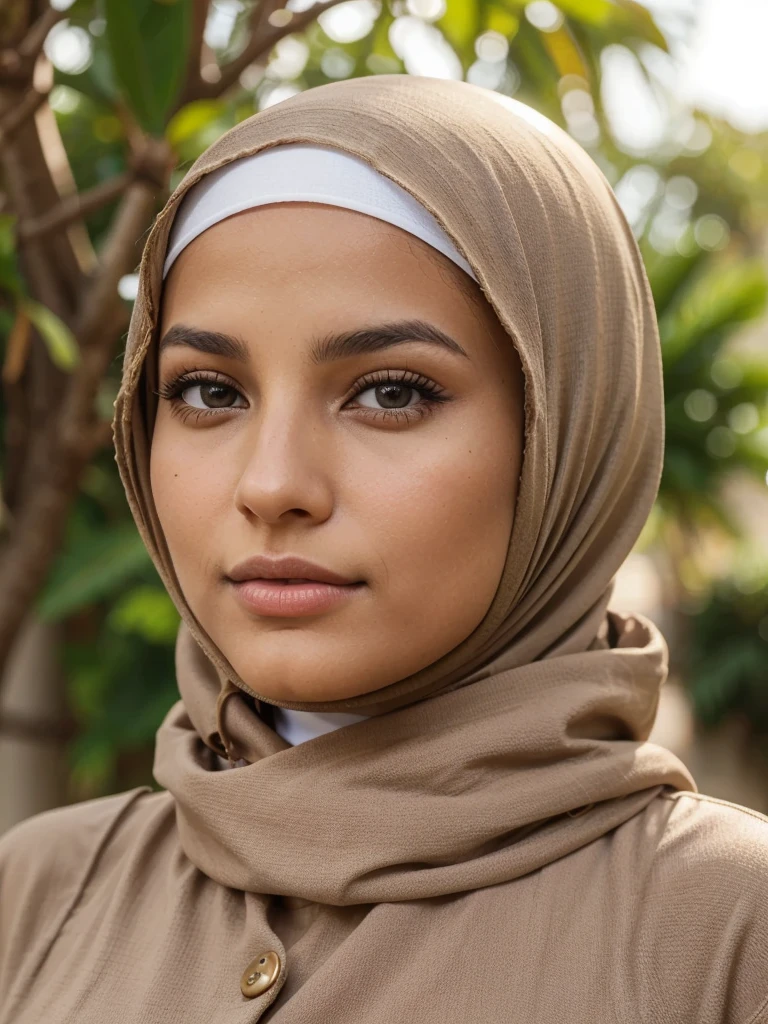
296	172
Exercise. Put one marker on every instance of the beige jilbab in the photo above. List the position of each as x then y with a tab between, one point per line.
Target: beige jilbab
496	841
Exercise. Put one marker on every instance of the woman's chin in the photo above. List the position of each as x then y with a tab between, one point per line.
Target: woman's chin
311	691
297	680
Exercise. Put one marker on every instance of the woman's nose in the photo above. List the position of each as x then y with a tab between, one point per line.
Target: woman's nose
286	469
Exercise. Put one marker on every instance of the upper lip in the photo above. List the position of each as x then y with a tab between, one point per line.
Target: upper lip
285	568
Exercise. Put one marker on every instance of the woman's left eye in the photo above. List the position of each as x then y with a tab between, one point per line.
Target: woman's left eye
397	396
210	395
388	396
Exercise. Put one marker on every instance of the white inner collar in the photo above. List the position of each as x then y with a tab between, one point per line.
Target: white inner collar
298	726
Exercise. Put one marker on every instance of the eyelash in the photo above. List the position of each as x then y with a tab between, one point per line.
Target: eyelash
431	393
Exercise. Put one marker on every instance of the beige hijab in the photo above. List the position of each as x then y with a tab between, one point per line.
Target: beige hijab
529	739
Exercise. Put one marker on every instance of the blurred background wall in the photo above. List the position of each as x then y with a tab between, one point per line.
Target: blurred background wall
104	104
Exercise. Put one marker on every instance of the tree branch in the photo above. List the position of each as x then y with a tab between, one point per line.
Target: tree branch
58	451
253	48
36	730
75	207
16	349
17	414
37	531
119	256
62	444
33	41
263	37
31	190
60	408
15	118
192	80
13	70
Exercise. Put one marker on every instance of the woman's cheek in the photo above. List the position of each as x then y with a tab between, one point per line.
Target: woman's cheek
187	489
442	527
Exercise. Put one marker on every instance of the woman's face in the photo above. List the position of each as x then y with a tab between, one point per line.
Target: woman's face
333	390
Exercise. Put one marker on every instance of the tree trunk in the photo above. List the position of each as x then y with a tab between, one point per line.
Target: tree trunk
33	771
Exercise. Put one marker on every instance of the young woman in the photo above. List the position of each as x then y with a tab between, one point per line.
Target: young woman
391	420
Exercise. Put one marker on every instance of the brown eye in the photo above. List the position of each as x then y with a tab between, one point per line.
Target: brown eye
210	396
388	396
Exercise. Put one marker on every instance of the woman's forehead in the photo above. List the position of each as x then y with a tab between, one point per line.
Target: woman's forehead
303	248
314	231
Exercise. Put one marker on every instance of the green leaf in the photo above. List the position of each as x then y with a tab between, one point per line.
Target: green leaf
718	301
670	274
193	119
380	45
461	25
500	20
590	12
7	320
7	247
624	16
93	569
81	12
147	612
148	40
10	279
97	82
60	341
92	762
640	20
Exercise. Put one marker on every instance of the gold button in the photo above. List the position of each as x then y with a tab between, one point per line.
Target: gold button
260	974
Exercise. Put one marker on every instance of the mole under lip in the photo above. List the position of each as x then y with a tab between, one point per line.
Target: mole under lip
292	599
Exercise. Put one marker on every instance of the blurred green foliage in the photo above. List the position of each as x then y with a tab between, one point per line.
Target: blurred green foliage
715	403
62	347
728	644
148	44
699	250
716	406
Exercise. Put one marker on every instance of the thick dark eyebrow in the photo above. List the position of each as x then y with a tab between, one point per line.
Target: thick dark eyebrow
373	339
213	343
363	341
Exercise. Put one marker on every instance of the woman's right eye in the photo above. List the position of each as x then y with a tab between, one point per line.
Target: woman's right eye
211	395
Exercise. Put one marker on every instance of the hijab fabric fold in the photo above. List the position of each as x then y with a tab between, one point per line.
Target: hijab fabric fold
466	790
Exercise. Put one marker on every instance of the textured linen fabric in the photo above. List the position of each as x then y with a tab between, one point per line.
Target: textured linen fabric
663	920
497	841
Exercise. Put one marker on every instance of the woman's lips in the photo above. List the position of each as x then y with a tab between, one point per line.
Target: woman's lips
293	599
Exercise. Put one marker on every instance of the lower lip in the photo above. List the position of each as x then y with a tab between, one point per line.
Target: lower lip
290	600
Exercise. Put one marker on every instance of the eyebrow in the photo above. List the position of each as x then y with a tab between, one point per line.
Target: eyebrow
327	349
